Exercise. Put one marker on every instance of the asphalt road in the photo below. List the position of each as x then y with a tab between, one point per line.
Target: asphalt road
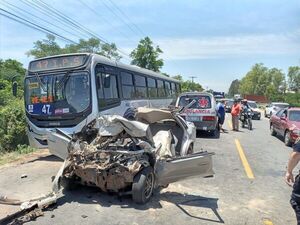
248	188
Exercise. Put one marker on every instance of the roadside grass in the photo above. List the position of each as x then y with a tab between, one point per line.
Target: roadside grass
20	151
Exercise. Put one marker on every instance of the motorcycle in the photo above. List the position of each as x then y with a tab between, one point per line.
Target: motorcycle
246	118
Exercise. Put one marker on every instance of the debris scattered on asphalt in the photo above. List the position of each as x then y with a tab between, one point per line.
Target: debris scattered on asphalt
84	216
24	176
52	216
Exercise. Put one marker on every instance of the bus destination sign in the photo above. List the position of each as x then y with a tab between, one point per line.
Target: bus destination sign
57	63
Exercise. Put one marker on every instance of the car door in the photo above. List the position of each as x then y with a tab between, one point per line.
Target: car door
179	168
276	120
282	124
58	143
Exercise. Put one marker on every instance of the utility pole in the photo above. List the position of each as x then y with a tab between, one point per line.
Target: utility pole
192	77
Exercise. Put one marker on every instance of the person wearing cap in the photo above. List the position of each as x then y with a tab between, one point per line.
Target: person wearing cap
235	112
294	182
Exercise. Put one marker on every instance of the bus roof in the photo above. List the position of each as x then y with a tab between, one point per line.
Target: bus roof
105	60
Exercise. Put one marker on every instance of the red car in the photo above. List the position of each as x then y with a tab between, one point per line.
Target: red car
286	122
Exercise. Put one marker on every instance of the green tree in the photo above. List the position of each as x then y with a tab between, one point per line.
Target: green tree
294	78
188	85
10	68
234	88
147	56
45	47
49	46
250	83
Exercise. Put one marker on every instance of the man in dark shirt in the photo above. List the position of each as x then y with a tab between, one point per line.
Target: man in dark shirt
289	179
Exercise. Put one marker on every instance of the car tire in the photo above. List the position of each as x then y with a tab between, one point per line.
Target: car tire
272	131
143	185
287	139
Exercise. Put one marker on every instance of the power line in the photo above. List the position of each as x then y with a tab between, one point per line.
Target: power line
60	14
113	12
103	18
127	17
45	30
11	6
51	15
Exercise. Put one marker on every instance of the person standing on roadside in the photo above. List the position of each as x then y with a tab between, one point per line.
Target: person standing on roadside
235	112
295	183
221	114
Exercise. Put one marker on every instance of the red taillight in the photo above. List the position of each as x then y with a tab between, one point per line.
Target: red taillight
208	118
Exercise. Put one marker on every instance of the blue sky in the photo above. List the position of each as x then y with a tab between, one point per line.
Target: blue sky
216	41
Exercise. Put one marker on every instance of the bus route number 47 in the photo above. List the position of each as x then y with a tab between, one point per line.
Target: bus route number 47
46	109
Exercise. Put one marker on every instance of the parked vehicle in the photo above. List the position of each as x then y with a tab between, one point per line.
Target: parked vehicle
228	105
246	118
134	157
202	113
255	110
286	123
274	107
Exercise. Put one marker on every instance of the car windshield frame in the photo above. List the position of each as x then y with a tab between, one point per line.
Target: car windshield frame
59	98
297	112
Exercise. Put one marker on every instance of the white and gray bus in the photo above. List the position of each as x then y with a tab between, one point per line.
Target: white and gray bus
70	91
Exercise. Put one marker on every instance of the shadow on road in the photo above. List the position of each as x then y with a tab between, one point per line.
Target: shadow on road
49	158
207	134
89	195
181	200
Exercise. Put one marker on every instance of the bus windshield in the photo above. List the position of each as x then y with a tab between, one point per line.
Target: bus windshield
57	94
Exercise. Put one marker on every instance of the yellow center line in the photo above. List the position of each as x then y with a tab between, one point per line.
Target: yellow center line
230	125
244	160
267	222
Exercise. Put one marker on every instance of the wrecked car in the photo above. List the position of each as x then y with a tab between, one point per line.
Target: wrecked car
134	157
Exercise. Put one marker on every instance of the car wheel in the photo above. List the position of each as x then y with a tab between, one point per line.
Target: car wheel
272	131
143	184
287	139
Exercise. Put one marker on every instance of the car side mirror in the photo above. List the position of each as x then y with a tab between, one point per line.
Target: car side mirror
15	88
106	82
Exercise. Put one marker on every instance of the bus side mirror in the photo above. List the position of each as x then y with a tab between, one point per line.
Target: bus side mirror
106	82
14	88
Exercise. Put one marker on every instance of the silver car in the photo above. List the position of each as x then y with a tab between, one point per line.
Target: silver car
133	157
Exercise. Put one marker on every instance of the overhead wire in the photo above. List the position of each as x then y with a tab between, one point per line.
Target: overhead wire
127	17
104	19
38	27
116	15
52	16
22	11
75	23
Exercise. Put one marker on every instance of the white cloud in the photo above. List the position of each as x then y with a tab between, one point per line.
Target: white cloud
229	46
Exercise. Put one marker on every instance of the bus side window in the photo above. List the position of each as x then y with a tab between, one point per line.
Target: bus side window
173	89
140	86
107	95
127	85
152	90
160	89
168	89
